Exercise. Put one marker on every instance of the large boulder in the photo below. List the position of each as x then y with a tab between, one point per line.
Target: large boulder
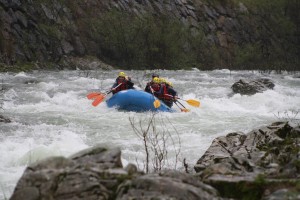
166	185
253	164
90	174
97	173
252	87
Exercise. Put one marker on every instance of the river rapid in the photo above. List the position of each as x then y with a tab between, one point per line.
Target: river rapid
51	115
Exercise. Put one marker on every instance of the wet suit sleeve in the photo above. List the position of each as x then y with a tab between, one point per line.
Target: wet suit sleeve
147	88
130	84
160	91
172	92
114	85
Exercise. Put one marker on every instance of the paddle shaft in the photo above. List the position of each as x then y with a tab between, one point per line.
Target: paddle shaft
151	89
177	105
156	102
113	89
110	91
181	104
191	102
175	100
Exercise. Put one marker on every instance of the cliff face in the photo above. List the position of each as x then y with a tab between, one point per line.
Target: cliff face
46	31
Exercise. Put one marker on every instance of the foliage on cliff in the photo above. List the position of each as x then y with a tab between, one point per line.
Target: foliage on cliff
205	34
277	30
129	41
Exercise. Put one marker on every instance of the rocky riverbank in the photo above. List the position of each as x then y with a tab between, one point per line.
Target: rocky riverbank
262	164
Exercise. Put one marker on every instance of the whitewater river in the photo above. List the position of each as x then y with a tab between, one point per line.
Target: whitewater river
51	115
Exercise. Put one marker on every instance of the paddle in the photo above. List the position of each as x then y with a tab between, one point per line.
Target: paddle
99	97
191	102
93	95
182	109
156	103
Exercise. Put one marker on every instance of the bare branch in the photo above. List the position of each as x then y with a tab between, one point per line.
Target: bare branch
157	140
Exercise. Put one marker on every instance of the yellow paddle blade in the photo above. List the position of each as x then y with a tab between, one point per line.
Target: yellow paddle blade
156	103
193	102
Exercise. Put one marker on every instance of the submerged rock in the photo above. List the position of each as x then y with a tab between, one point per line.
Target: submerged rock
252	87
4	119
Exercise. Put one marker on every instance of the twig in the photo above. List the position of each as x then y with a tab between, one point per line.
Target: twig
155	142
186	166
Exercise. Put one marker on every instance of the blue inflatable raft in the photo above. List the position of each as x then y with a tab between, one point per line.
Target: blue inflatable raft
135	100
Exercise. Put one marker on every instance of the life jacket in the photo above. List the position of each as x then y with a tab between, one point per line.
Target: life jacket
155	86
165	95
123	86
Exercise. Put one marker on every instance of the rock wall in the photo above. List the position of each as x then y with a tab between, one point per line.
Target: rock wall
46	31
36	31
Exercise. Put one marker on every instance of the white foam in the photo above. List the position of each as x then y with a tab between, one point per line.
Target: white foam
54	117
22	74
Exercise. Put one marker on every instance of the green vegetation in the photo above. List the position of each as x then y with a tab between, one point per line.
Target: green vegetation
277	25
150	42
17	67
28	66
51	30
142	43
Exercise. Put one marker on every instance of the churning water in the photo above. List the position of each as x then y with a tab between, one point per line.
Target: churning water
51	115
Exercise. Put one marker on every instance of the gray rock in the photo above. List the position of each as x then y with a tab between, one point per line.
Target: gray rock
67	47
222	39
89	174
22	19
166	185
12	18
252	87
237	159
48	12
242	8
4	119
79	48
97	173
30	193
190	7
220	9
11	3
210	12
283	194
158	7
102	157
